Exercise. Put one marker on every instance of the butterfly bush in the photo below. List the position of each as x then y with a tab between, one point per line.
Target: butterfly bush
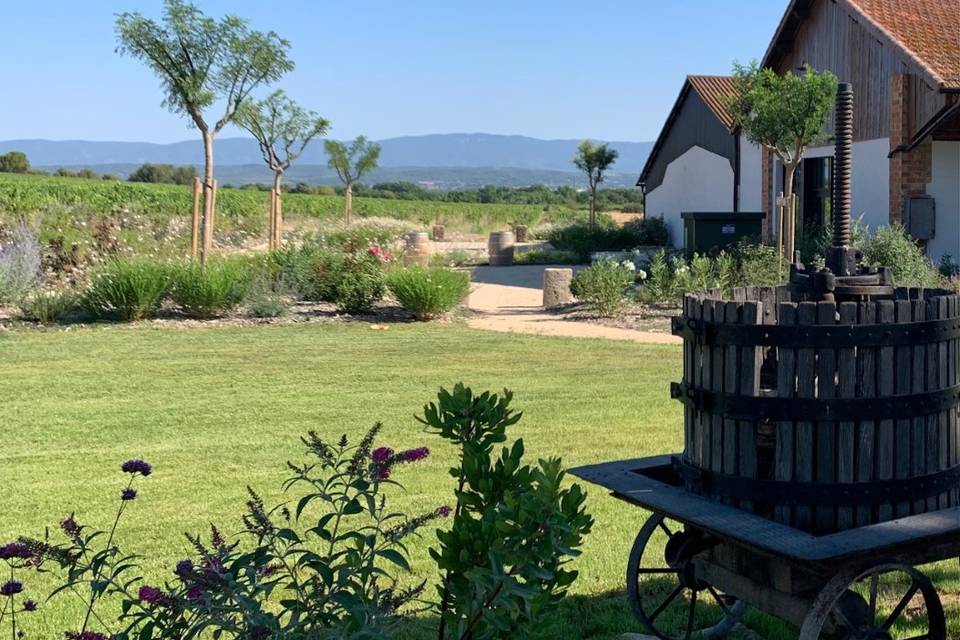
322	564
330	561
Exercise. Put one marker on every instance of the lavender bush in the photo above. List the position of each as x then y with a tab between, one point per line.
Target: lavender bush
20	263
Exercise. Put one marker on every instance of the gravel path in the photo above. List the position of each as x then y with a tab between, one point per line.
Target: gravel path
508	299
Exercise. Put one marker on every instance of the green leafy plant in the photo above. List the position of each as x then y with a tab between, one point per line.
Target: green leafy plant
428	292
539	256
128	289
891	246
49	306
213	289
603	286
355	282
515	526
267	298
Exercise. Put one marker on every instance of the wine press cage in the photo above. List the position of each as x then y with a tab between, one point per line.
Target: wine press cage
821	461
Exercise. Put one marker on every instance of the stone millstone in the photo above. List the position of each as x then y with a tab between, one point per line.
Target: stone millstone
556	287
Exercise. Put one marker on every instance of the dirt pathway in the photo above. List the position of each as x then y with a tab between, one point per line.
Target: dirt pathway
508	299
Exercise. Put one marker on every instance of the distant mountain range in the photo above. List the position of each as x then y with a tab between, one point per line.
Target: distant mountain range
442	161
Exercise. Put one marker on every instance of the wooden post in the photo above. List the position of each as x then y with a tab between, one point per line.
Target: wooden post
195	220
278	221
270	220
210	207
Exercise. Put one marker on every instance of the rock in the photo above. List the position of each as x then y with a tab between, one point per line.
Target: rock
556	287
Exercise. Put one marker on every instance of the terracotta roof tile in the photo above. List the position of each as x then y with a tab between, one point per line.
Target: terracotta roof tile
717	92
928	29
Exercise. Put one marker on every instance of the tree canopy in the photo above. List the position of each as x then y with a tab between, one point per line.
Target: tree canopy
352	162
281	127
201	60
163	174
594	160
14	162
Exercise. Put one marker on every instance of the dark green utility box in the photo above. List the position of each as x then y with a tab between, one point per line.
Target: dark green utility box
707	232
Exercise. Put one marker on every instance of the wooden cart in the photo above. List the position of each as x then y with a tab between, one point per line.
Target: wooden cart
718	557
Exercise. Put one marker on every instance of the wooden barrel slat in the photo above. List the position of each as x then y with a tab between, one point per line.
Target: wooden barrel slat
846	433
843	456
826	431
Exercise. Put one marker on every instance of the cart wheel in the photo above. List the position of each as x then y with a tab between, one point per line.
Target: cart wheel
664	590
885	602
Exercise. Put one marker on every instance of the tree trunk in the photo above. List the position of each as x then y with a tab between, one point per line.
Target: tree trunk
790	220
347	202
206	242
593	207
276	226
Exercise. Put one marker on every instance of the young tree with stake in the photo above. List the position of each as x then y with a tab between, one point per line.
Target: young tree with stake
351	163
784	114
594	160
282	129
201	61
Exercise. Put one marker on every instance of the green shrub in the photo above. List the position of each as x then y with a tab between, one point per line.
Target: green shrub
49	306
759	266
211	290
353	281
294	266
582	239
364	232
452	258
892	247
428	292
128	289
267	298
538	256
603	286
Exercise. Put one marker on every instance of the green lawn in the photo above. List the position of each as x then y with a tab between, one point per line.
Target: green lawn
217	409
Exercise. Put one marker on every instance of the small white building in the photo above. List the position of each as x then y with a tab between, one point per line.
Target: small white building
902	59
700	162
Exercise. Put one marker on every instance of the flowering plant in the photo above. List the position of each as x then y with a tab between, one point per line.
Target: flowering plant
316	567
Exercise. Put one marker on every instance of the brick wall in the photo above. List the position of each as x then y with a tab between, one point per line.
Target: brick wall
910	172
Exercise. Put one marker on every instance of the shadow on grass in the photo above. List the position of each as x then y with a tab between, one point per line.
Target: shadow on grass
607	616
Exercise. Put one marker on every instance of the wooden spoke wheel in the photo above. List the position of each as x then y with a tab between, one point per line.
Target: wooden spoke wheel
886	602
664	590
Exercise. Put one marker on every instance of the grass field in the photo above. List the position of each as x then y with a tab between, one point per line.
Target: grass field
217	409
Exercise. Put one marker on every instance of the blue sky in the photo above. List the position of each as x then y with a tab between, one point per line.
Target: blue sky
605	69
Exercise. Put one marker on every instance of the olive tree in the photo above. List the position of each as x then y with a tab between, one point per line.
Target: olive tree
594	160
351	163
14	162
202	61
282	129
784	114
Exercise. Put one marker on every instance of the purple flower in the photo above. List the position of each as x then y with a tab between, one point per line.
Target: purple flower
29	605
381	472
86	635
153	596
15	550
184	569
137	466
11	588
381	454
70	527
128	494
443	511
195	592
413	455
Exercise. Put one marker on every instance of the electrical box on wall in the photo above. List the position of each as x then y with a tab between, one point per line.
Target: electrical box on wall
920	217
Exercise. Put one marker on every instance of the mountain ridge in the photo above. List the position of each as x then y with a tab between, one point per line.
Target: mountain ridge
477	150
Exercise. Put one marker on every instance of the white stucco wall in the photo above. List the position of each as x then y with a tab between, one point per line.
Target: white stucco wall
870	182
699	180
945	188
751	176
